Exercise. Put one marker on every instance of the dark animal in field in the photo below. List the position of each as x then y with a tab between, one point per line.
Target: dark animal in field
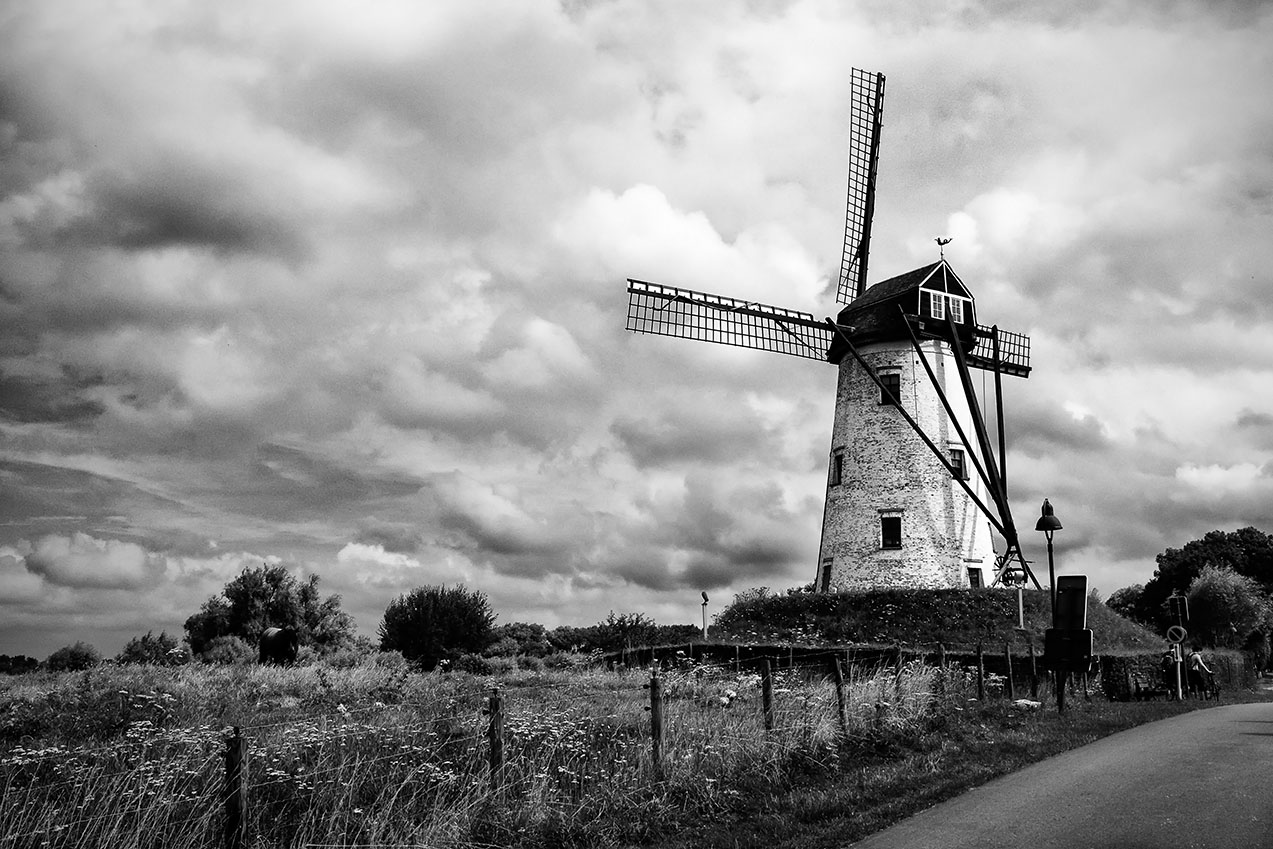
279	645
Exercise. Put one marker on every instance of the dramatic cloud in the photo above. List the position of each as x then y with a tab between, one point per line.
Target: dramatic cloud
341	286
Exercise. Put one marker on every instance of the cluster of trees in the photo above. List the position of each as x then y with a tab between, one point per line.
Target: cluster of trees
1227	576
228	625
428	626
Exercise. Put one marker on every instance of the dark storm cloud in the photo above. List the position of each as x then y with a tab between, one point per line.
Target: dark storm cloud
700	432
191	204
398	537
1049	430
25	399
284	482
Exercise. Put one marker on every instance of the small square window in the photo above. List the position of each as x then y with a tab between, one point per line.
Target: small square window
937	305
956	311
890	532
837	468
891	389
957	462
974	577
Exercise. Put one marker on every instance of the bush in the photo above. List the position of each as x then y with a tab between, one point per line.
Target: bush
72	658
227	650
430	624
520	638
156	651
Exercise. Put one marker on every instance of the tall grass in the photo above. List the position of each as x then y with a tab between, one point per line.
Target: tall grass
132	757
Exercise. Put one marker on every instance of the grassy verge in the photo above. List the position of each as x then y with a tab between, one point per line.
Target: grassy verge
888	778
131	757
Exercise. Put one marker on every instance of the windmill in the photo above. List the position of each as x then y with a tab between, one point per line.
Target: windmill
903	508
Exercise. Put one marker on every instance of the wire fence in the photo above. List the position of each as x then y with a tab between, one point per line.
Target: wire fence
420	772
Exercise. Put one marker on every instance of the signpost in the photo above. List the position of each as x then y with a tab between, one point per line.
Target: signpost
1067	647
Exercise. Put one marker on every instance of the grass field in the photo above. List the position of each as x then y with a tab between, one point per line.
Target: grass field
375	755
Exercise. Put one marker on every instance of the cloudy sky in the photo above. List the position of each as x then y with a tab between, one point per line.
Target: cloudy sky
341	286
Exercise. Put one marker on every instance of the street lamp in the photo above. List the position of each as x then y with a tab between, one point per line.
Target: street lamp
1049	524
704	617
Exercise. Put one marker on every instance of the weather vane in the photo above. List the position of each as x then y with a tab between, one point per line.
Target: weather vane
942	243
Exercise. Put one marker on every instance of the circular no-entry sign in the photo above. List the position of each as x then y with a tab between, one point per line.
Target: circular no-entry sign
1176	634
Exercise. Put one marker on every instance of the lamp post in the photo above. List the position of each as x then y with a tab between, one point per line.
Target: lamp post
1049	524
704	617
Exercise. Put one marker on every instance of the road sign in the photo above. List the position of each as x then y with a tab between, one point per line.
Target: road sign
1176	634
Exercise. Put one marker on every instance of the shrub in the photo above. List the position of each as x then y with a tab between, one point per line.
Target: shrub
72	658
156	651
520	638
226	650
269	596
432	623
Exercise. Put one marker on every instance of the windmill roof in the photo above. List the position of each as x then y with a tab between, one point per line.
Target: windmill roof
891	288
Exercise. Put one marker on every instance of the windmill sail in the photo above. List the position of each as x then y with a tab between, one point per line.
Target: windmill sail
686	314
867	98
1013	351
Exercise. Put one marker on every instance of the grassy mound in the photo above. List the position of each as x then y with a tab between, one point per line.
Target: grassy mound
956	618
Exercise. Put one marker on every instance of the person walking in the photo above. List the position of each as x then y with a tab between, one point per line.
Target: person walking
1199	673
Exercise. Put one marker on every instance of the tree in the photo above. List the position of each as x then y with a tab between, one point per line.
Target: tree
1247	551
519	638
72	658
430	624
1126	602
1225	608
156	651
17	664
268	596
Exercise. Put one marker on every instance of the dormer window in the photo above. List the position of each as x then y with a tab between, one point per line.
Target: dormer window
939	305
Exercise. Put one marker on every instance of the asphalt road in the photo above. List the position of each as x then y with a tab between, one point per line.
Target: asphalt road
1202	780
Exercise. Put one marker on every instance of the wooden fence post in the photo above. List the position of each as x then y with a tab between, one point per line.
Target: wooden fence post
656	722
1034	672
738	667
767	693
838	672
939	680
981	674
1007	656
236	790
495	735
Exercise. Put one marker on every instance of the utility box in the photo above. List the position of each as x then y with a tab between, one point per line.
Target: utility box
1071	602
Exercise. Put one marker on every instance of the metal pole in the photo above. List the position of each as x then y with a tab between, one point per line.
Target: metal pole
1052	578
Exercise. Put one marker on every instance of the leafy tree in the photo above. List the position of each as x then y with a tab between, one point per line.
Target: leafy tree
519	638
1225	608
71	658
1126	602
17	664
156	651
1247	551
267	596
430	624
624	631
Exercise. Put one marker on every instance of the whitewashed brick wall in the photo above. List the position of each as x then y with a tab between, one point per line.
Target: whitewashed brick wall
888	470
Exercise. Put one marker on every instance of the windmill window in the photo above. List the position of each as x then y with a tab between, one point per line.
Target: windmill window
890	532
940	304
837	468
957	462
825	583
890	388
